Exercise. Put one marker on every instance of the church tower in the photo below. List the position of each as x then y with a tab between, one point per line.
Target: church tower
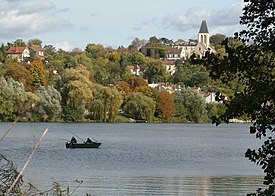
204	34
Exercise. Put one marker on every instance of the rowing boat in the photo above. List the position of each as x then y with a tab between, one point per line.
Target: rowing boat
83	145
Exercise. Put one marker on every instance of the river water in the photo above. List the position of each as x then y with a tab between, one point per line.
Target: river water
137	158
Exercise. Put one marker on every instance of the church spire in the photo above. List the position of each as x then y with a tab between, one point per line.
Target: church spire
204	34
203	28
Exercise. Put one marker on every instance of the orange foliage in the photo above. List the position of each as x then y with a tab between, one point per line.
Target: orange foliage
165	105
136	81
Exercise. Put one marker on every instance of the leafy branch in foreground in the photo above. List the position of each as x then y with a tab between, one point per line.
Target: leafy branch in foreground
253	65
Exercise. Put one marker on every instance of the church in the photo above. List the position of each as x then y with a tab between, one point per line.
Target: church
183	50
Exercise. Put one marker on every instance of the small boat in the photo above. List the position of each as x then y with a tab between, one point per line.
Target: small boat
83	145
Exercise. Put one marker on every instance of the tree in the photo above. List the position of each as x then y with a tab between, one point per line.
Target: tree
136	44
37	70
254	64
217	39
155	71
76	91
136	81
19	43
3	53
139	107
191	75
105	104
165	105
49	50
15	101
189	105
258	16
36	42
124	88
50	102
96	51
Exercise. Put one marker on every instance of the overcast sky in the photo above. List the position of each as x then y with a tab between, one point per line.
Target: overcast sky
69	24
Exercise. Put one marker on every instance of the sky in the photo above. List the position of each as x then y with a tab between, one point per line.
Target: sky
68	24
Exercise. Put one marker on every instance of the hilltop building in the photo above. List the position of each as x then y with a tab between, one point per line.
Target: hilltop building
169	53
183	50
22	53
199	48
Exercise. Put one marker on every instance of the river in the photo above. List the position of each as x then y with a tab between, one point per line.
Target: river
137	158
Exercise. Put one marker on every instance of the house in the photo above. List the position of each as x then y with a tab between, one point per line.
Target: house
39	51
170	88
175	53
22	52
18	53
170	66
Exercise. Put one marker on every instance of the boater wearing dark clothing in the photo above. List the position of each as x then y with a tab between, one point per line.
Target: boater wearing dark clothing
89	141
73	140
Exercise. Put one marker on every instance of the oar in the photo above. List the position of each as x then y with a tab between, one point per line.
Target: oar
75	135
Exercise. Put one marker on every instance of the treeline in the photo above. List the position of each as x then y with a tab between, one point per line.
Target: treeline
96	85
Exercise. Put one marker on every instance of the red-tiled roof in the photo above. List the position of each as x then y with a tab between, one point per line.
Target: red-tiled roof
36	48
16	50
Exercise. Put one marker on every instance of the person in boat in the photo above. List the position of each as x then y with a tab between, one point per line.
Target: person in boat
88	141
73	140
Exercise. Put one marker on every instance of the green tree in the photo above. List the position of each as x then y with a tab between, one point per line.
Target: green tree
3	53
35	41
255	66
15	101
50	102
76	91
191	75
105	104
139	107
19	43
189	105
96	51
217	39
155	71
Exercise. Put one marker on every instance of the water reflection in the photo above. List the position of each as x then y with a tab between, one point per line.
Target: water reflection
198	186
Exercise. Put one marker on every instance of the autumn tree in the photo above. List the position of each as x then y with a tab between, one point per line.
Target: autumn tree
22	74
124	88
136	81
254	64
37	70
165	105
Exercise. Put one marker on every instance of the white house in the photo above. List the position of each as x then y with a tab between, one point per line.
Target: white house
18	53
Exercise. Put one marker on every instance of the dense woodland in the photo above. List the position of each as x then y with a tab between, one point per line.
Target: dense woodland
95	85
